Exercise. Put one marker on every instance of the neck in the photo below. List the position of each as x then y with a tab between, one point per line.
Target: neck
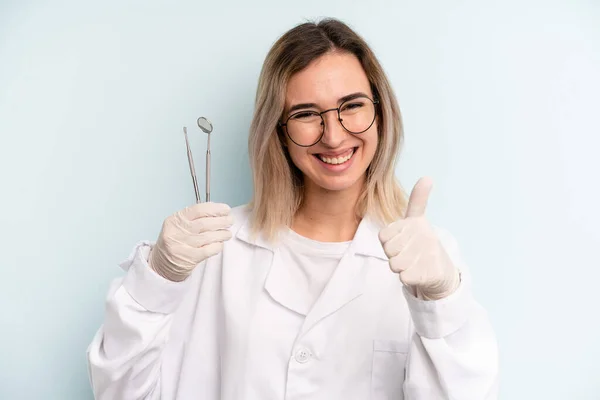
328	216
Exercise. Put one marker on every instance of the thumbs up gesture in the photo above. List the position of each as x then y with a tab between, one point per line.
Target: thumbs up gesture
415	252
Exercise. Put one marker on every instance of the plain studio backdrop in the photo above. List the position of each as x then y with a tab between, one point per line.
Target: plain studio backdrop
500	102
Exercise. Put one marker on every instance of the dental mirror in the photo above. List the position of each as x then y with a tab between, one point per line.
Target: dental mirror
205	125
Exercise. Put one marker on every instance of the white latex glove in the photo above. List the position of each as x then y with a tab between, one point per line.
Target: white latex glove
189	237
415	252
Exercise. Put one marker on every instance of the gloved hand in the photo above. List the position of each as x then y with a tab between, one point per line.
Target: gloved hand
189	237
415	252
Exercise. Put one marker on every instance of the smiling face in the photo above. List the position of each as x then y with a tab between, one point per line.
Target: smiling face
340	159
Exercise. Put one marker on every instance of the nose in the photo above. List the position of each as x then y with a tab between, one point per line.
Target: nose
333	131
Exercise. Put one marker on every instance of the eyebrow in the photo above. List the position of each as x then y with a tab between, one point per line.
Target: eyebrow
341	100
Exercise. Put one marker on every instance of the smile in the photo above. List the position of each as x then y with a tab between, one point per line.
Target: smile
340	159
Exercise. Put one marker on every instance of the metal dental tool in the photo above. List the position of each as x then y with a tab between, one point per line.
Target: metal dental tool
191	163
206	127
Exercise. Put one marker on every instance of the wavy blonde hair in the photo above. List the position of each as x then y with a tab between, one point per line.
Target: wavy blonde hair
278	183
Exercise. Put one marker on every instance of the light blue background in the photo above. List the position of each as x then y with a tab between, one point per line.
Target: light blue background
500	102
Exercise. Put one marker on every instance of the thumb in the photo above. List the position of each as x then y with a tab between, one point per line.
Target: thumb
417	203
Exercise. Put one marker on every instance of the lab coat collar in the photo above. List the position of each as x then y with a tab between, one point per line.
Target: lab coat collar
366	239
346	284
244	233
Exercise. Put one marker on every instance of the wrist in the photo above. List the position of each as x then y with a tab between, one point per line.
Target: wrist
446	290
163	272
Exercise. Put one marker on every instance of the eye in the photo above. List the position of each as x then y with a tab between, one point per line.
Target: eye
355	105
304	115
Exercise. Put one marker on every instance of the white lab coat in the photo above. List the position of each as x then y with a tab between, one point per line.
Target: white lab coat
232	331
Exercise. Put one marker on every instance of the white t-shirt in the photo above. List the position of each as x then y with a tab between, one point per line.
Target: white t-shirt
311	264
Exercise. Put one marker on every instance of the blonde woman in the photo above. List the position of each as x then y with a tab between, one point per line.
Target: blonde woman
329	285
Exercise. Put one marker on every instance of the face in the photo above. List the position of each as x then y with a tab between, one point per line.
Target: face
340	159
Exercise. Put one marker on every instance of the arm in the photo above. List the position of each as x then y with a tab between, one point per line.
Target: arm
124	358
454	353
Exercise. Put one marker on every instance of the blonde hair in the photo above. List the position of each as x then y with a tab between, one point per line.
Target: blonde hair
278	183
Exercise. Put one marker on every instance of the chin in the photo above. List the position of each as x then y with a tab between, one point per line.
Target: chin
338	183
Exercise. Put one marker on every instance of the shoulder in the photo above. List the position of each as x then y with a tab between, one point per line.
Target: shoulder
240	214
242	232
241	221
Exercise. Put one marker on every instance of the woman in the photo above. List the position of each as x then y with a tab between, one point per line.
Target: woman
330	285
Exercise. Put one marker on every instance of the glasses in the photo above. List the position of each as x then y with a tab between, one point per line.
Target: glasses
306	128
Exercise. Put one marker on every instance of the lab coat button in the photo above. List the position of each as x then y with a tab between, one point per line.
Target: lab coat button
302	356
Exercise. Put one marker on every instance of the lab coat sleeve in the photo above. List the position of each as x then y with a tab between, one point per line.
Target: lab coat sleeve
124	358
453	353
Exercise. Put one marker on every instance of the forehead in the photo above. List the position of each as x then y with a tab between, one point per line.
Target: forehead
326	80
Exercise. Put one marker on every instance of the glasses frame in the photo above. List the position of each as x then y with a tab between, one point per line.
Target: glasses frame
339	118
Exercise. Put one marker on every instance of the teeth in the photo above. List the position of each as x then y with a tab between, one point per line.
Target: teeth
336	160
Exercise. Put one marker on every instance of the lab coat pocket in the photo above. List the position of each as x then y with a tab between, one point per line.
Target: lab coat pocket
389	363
